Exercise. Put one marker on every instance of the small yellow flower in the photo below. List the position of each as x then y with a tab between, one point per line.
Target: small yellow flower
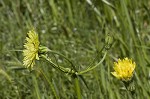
124	69
30	52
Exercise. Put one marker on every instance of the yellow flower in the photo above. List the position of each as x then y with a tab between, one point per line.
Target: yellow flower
30	52
124	69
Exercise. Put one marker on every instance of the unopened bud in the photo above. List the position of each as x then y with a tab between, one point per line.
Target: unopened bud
43	50
108	41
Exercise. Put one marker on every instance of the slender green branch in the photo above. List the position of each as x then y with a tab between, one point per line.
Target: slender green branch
65	70
89	69
51	51
95	57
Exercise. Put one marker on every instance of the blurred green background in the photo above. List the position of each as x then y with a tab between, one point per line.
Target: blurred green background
77	29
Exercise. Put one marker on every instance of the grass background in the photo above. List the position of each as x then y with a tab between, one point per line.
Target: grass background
77	29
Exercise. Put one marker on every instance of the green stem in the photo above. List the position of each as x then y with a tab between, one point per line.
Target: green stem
77	86
93	67
51	51
65	70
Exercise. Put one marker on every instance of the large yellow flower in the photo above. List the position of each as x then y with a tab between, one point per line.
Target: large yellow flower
30	52
124	69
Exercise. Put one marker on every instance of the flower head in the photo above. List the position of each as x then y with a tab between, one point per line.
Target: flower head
124	69
30	52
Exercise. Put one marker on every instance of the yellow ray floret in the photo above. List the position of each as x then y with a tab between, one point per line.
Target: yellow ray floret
124	69
30	52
